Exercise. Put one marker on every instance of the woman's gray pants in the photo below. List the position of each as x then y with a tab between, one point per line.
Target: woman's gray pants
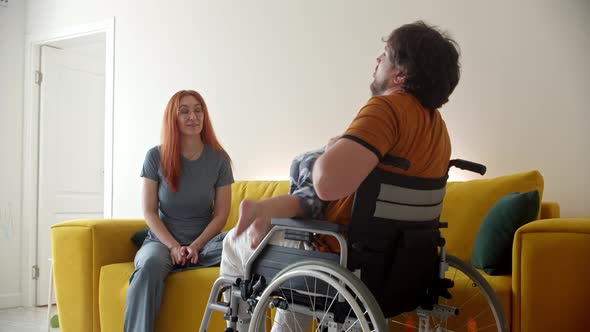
146	284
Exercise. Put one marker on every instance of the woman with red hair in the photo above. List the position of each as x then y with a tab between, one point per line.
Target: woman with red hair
186	201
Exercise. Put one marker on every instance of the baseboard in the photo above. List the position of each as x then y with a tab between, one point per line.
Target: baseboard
10	300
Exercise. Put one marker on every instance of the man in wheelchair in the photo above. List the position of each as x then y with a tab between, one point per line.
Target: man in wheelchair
390	164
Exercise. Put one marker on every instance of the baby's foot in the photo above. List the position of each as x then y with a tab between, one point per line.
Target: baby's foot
258	230
249	211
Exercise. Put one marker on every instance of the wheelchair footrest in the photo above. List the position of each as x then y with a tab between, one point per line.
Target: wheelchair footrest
218	306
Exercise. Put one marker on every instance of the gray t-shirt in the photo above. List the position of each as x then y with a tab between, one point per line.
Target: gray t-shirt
188	211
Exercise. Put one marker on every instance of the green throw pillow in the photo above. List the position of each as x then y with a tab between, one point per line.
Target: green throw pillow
138	237
492	250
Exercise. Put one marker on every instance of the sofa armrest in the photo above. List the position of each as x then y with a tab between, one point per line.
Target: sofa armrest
550	269
79	249
549	210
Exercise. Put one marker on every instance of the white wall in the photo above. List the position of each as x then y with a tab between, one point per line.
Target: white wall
12	39
281	77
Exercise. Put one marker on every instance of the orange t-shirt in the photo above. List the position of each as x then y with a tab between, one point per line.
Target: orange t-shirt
397	125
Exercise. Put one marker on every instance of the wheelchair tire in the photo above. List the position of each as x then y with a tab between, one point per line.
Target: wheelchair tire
361	311
478	305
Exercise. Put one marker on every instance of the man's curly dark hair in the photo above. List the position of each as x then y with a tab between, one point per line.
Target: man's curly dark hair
429	59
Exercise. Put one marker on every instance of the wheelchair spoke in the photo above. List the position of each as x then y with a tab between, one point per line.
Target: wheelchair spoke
312	301
474	319
352	325
402	324
469	284
439	325
281	323
350	310
292	312
453	280
344	296
292	302
356	321
478	315
326	298
348	315
315	284
469	299
327	310
486	327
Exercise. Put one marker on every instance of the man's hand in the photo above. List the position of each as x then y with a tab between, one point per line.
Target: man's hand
178	255
192	254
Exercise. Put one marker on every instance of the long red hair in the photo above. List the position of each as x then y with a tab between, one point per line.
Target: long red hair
170	141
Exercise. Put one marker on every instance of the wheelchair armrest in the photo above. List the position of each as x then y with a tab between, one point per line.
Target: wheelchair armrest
310	225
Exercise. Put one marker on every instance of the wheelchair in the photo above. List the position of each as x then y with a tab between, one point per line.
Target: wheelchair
392	263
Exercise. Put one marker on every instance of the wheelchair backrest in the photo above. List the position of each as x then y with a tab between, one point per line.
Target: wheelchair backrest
387	199
393	237
388	196
387	203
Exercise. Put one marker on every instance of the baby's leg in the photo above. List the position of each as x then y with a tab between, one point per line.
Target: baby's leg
302	201
302	184
256	215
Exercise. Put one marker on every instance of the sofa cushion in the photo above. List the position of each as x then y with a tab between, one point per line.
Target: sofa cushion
192	286
254	190
466	203
502	286
492	250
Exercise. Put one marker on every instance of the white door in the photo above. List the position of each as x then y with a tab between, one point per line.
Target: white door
71	151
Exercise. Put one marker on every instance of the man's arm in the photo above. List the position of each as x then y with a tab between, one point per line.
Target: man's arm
340	170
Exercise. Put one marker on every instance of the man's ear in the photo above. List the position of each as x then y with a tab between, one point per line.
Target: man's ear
399	77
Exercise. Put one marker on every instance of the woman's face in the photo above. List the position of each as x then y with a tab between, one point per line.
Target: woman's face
190	116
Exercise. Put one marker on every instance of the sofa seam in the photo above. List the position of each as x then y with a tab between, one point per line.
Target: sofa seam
541	231
518	305
94	284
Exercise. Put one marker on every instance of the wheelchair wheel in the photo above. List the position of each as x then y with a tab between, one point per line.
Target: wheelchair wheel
326	294
474	306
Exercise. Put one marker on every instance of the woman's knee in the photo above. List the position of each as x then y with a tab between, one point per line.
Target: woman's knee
154	266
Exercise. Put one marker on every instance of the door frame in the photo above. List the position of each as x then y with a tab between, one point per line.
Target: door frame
31	127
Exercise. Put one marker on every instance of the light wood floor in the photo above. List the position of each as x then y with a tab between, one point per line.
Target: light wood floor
30	319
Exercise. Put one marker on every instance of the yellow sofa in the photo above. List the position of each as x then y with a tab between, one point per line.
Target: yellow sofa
93	261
